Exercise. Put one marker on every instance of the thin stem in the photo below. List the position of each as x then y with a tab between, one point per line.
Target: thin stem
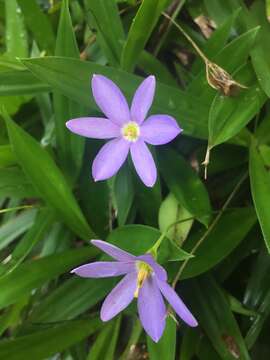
196	47
134	338
213	224
17	208
206	162
175	13
157	244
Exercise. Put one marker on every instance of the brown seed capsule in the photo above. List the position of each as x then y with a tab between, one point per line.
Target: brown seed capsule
221	80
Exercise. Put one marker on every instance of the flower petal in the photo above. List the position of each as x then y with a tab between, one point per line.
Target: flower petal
110	99
144	163
119	298
100	269
158	270
177	304
93	127
110	158
113	251
152	310
159	129
143	99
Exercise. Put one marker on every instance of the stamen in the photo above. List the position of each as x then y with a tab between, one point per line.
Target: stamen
131	131
144	271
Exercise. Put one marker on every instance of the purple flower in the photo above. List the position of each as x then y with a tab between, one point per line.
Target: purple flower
144	279
127	127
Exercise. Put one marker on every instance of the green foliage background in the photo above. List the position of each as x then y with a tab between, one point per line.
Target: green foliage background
51	207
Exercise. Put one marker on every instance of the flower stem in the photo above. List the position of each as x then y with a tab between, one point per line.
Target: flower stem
195	46
213	224
206	161
174	10
17	208
153	250
134	338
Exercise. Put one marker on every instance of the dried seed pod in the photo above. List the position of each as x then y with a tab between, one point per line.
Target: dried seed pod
217	78
220	79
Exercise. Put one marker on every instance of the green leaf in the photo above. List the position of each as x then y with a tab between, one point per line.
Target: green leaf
260	190
152	66
42	222
7	157
124	193
32	274
110	32
39	24
11	316
257	288
104	346
47	342
228	115
170	212
7	63
262	132
140	31
259	57
215	317
15	227
18	82
133	339
16	44
206	350
166	347
230	231
220	10
94	195
47	178
189	110
257	297
190	344
66	44
12	104
185	184
70	146
265	154
16	36
126	237
13	183
70	299
237	307
148	200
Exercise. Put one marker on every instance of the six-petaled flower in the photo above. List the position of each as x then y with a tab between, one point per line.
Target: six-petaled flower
145	280
129	129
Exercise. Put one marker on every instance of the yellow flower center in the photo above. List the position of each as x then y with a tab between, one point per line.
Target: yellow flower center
131	131
144	270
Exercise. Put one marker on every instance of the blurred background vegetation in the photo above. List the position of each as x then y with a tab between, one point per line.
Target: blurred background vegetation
51	207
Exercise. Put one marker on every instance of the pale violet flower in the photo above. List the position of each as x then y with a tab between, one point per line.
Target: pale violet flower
145	280
130	129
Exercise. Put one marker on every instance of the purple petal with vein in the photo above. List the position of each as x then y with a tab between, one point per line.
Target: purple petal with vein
119	298
144	163
110	99
152	310
110	158
176	303
143	99
113	251
93	127
159	129
158	270
100	269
